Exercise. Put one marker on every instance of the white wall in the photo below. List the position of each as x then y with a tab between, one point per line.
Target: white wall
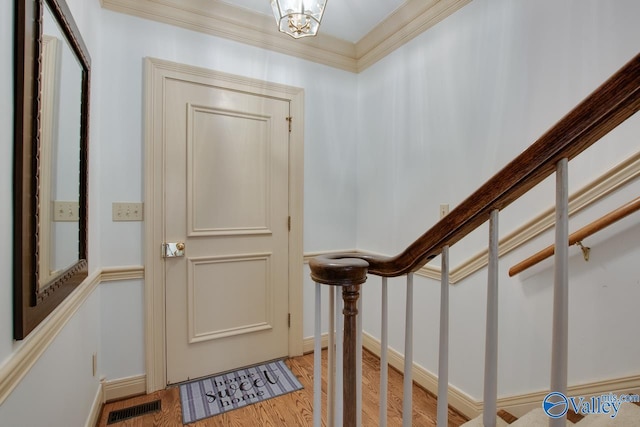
459	101
442	114
6	171
60	388
114	314
329	152
62	379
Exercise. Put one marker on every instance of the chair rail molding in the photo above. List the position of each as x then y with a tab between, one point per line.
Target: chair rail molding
615	178
129	272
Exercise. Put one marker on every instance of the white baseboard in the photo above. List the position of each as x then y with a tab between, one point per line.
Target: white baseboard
96	408
521	404
517	405
457	399
309	342
124	387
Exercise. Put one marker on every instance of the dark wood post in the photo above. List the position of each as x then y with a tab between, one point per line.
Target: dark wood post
348	271
350	295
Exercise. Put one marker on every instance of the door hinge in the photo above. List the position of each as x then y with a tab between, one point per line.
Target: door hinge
289	119
289	223
289	320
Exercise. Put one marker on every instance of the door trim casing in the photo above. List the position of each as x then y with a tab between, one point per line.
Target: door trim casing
155	71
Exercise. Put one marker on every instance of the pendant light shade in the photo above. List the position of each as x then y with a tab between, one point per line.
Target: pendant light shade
298	18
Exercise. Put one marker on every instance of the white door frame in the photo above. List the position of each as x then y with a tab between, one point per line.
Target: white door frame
156	71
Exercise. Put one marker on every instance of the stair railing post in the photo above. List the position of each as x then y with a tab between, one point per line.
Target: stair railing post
331	360
559	343
317	360
407	394
443	351
491	346
384	350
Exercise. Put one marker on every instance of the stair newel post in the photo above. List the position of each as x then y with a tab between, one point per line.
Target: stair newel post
559	344
347	272
350	295
359	363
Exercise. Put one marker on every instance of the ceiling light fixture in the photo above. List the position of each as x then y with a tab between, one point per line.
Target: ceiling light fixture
298	18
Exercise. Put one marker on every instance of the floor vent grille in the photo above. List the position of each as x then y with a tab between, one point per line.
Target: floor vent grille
134	411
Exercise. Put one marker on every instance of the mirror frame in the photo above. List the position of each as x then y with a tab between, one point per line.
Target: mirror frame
31	305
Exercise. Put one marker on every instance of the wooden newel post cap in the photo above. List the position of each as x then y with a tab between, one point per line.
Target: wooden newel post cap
339	269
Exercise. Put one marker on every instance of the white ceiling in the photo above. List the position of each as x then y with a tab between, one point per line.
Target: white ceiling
349	20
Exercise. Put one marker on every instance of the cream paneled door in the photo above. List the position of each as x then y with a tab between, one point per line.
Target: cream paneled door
226	198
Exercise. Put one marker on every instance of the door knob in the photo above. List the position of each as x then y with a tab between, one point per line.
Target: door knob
172	250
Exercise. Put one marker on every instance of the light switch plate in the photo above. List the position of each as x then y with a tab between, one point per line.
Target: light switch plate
127	211
65	211
444	210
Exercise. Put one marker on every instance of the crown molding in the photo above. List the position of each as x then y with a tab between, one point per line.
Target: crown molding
220	19
409	21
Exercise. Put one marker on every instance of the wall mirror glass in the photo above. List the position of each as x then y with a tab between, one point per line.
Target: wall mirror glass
52	69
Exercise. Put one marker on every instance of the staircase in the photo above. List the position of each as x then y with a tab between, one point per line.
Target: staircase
345	274
627	416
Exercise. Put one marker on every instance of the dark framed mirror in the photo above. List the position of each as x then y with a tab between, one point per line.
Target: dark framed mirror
51	130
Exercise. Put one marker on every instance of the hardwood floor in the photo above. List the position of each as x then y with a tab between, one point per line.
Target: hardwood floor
293	409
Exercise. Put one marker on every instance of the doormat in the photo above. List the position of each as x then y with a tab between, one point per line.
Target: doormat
214	395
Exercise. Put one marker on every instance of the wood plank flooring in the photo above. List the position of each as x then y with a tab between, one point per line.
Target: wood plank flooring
293	409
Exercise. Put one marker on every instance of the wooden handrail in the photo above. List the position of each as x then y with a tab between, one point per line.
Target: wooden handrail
612	103
579	235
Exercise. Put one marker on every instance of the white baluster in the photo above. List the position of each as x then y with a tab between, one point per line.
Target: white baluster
491	346
331	359
443	354
339	356
384	347
559	343
317	360
407	396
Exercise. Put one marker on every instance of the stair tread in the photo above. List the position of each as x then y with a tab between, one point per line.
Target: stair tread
477	422
535	418
628	416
